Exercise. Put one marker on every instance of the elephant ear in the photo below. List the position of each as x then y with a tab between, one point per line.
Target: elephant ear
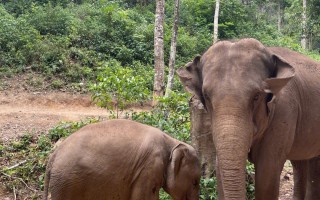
191	77
176	157
282	74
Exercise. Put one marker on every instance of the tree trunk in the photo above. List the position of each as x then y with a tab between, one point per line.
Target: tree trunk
201	137
304	25
215	22
310	41
158	88
279	16
173	47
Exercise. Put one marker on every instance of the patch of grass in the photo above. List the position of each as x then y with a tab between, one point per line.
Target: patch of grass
313	54
35	81
57	84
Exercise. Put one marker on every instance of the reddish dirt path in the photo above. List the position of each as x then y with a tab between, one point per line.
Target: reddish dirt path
36	112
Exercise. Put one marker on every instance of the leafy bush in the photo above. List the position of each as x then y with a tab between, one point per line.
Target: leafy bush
208	188
16	40
171	115
64	129
51	20
250	181
121	85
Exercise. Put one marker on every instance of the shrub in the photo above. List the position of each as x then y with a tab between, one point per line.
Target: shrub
51	20
171	115
16	40
121	86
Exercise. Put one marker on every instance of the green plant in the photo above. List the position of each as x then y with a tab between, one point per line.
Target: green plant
119	86
171	115
208	188
250	181
57	84
64	129
163	195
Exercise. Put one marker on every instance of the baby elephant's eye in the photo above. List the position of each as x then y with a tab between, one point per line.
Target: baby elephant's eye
256	97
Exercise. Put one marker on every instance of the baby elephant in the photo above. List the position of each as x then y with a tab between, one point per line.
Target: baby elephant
122	159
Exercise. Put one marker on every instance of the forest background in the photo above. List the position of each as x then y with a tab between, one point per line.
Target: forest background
107	48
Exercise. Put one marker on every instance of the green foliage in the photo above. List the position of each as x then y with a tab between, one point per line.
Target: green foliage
16	41
171	115
121	85
208	188
50	20
72	39
250	181
313	54
64	129
163	195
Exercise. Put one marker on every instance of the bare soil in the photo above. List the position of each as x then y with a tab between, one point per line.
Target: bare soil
36	112
24	110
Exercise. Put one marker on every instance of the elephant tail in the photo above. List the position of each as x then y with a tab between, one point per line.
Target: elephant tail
47	176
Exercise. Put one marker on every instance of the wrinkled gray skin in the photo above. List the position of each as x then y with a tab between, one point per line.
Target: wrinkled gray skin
265	102
123	160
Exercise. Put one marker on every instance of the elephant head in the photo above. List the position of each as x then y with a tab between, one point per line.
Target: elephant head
237	82
183	173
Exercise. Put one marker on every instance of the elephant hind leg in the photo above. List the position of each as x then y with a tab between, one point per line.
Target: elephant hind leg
300	178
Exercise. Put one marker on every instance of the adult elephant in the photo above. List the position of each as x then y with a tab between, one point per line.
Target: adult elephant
265	106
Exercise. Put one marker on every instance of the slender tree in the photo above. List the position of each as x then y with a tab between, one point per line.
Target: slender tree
201	133
201	136
304	25
158	88
173	47
215	21
279	15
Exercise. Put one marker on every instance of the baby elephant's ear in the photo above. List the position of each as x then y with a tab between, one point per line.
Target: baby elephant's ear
283	73
176	157
191	77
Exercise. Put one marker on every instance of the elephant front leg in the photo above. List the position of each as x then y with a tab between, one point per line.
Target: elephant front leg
267	179
300	179
313	180
145	190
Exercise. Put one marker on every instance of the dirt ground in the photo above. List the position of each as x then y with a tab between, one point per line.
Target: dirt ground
24	111
36	112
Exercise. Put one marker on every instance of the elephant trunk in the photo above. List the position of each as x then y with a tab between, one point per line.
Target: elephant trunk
232	138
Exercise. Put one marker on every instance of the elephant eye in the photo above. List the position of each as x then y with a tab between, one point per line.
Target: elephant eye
256	97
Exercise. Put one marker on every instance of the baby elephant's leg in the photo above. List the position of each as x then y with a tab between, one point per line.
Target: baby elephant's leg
148	183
